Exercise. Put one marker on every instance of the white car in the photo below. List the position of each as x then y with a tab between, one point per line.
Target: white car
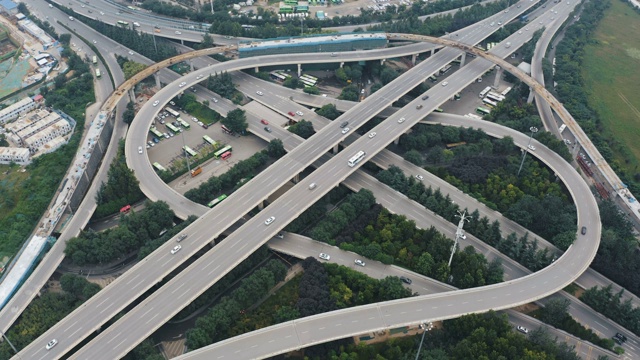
181	237
194	119
95	42
531	147
199	77
324	256
182	84
178	32
139	149
51	344
155	103
522	329
359	262
259	93
101	12
176	249
372	135
299	113
401	120
463	236
269	220
214	100
445	83
345	130
420	177
130	52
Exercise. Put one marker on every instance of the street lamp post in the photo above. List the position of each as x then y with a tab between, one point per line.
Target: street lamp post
524	152
426	328
186	156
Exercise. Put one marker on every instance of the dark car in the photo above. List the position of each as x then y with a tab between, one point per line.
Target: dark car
405	280
267	129
156	140
344	124
425	97
620	336
584	230
617	340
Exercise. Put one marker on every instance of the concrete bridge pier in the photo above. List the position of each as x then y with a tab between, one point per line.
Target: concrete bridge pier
132	95
299	70
382	61
496	82
261	205
396	141
336	149
414	57
158	85
296	179
257	69
463	57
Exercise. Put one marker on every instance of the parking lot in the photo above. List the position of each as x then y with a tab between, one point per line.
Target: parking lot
169	149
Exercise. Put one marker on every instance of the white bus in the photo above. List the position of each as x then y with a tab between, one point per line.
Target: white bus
506	91
356	158
172	112
495	98
445	69
489	102
484	92
496	95
561	128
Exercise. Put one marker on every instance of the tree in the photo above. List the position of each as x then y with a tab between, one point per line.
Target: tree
129	114
313	90
303	128
131	68
65	39
275	149
555	311
414	157
236	121
329	111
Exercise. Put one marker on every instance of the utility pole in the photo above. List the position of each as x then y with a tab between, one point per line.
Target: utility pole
459	233
524	152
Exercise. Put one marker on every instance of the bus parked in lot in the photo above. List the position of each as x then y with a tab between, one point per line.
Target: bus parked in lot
155	132
158	166
210	140
189	151
184	124
172	112
174	129
483	111
219	153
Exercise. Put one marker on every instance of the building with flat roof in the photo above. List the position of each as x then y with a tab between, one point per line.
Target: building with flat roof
13	111
35	31
9	7
20	156
37	129
310	44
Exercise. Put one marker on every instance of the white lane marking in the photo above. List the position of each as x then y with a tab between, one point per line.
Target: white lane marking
154	316
70	326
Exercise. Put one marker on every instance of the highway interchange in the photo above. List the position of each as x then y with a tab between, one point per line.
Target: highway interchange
332	137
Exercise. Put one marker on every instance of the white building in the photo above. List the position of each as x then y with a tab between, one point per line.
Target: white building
19	156
21	107
37	129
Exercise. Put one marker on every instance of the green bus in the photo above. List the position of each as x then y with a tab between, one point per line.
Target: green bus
483	111
210	140
184	124
438	110
174	129
216	201
433	78
159	167
219	153
189	151
155	132
123	23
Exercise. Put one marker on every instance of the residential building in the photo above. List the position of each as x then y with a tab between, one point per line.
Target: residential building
13	111
10	155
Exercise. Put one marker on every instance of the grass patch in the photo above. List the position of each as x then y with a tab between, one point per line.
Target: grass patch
10	190
612	78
